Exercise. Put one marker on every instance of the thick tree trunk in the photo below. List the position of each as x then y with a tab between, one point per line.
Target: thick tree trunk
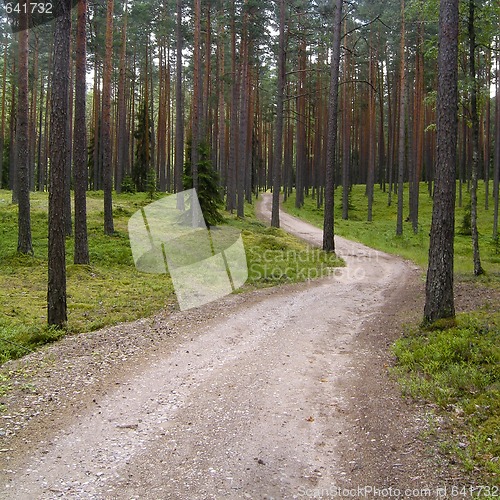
439	299
80	164
328	224
24	244
56	295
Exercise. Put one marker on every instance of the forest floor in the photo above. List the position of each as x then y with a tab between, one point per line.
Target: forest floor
278	393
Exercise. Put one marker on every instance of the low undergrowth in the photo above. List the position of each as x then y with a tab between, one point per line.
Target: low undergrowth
457	369
111	290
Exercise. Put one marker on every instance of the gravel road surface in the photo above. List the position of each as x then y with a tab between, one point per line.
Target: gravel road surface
278	393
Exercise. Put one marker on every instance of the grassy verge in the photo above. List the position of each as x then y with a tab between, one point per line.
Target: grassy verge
456	369
381	232
111	290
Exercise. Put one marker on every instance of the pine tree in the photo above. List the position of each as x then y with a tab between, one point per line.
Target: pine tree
208	190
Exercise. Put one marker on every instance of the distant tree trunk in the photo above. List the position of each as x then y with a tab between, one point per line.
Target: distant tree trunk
33	115
221	138
478	270
301	158
122	142
56	295
331	143
2	124
418	127
439	299
233	145
487	126
372	136
81	255
24	244
107	167
13	140
197	93
496	166
346	133
278	142
179	108
242	159
96	98
402	112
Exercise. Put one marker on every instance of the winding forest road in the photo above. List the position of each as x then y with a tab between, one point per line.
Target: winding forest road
279	393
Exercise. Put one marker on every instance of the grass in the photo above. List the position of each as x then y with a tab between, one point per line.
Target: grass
458	369
111	290
381	232
456	365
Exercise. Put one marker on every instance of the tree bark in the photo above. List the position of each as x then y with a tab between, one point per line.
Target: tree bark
496	167
478	270
278	141
179	108
122	142
56	294
81	255
24	244
402	111
2	124
107	167
331	143
439	298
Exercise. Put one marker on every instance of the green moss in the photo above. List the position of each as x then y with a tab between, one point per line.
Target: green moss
111	290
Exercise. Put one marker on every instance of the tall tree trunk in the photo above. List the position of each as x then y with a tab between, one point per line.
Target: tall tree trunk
346	132
2	123
372	136
242	159
301	158
179	108
487	126
13	139
107	167
197	92
402	113
80	165
418	127
496	165
233	145
328	224
33	115
24	244
122	139
478	270
56	294
439	299
278	142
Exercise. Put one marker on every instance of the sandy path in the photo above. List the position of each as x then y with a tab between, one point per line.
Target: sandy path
260	401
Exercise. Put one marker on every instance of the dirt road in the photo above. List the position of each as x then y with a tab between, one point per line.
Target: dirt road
274	394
